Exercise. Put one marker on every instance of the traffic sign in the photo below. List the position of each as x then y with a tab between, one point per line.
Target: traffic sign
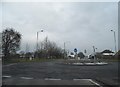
75	50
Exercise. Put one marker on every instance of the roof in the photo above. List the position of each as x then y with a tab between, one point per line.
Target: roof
107	51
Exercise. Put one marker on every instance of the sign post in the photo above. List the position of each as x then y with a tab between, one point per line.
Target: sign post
75	50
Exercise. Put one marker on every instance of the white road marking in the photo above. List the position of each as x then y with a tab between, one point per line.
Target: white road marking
51	79
6	76
95	83
90	81
10	64
26	78
81	79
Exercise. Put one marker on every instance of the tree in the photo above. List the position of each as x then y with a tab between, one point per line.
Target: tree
81	55
71	53
22	54
10	42
50	50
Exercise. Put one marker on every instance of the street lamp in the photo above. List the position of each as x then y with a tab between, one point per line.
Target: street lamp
114	40
94	52
37	39
94	49
65	47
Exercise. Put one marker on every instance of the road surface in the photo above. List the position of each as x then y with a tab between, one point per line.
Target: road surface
38	72
0	72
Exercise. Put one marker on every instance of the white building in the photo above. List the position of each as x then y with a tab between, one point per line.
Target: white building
108	53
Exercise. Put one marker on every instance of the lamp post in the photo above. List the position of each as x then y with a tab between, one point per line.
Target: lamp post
114	40
65	47
37	41
94	52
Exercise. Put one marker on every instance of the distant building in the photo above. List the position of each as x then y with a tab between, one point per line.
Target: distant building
107	53
103	54
71	56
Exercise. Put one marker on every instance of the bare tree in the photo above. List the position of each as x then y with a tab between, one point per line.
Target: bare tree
50	50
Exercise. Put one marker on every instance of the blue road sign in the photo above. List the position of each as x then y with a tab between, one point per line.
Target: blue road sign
75	50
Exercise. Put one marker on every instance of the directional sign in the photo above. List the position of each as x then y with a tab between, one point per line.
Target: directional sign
75	50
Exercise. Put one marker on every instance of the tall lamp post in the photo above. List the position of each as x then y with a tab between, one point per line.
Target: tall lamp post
114	40
94	52
65	47
37	41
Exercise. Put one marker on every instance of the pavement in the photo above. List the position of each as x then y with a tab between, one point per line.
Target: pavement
56	73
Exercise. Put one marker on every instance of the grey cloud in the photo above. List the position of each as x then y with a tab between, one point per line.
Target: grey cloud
83	24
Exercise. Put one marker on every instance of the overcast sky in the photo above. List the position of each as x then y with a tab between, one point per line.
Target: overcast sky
80	25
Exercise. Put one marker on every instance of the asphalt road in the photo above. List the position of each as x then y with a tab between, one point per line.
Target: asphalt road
106	74
0	72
